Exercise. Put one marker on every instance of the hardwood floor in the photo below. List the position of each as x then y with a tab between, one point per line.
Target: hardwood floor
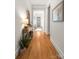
40	48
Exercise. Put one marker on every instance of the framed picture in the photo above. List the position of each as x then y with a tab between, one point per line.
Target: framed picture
58	13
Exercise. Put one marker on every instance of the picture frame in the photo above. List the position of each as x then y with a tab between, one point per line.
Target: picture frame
58	13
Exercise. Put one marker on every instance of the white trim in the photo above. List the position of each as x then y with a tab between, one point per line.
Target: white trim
57	48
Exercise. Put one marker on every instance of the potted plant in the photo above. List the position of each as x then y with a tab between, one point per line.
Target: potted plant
25	41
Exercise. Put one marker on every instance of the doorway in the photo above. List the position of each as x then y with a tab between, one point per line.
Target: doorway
38	19
40	12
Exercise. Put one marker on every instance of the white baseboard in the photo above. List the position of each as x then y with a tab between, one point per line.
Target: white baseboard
58	49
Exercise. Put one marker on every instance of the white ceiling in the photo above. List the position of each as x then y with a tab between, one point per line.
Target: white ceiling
39	1
31	2
22	5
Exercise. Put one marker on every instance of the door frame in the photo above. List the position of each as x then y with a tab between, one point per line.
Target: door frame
39	7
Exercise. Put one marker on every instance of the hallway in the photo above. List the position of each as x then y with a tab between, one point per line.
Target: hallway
40	48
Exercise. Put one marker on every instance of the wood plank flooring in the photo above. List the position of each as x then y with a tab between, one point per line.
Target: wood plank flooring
40	48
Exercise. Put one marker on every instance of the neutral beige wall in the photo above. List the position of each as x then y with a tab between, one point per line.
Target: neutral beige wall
57	30
57	33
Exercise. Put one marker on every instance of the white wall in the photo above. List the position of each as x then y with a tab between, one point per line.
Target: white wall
20	13
57	31
17	31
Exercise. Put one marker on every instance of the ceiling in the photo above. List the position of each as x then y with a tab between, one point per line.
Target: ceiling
22	5
35	1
